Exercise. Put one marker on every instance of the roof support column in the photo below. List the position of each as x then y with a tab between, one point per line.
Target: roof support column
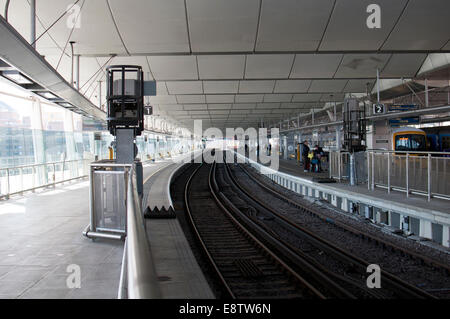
33	23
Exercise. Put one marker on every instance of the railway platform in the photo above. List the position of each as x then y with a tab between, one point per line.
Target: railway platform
39	241
179	275
426	220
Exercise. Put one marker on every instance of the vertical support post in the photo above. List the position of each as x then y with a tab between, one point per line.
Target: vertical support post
429	176
389	172
312	116
339	165
334	112
78	72
426	93
378	85
33	23
72	65
8	187
373	170
100	94
91	198
407	174
368	170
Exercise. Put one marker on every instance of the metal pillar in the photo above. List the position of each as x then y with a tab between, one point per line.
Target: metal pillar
33	23
71	70
100	94
78	72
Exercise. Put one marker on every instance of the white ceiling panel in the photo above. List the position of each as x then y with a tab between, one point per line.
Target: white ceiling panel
335	97
222	26
163	99
403	65
268	105
220	98
220	87
277	97
101	37
185	87
315	65
267	66
219	112
306	97
244	105
234	111
424	25
199	112
347	29
151	26
221	66
219	106
292	86
171	107
263	111
190	107
361	65
323	86
294	105
292	25
161	88
191	98
173	67
256	86
358	86
249	98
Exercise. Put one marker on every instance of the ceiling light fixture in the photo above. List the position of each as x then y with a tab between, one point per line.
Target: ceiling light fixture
47	95
16	77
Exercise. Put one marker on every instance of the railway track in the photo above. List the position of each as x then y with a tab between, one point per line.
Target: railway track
245	266
393	284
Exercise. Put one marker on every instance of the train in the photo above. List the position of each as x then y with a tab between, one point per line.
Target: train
429	139
408	139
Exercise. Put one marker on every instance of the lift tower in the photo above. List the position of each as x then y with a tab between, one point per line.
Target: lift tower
125	106
354	132
110	179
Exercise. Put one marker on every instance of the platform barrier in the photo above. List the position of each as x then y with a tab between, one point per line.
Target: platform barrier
20	179
419	173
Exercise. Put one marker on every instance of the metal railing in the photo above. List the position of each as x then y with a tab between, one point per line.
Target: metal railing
20	179
138	278
419	173
338	164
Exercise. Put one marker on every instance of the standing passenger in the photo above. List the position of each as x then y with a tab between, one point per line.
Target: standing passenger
305	152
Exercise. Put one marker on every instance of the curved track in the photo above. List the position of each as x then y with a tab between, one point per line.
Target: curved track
246	267
393	284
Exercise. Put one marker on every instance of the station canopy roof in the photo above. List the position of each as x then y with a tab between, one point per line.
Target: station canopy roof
237	62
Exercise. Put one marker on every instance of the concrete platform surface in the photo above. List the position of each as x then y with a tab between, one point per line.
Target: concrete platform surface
41	235
179	274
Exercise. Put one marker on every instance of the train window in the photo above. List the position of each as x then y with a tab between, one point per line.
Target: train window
410	142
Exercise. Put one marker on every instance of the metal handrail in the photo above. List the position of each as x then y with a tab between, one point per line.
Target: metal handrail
40	164
407	152
142	282
34	167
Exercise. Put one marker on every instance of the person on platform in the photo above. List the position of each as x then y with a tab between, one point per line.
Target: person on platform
305	152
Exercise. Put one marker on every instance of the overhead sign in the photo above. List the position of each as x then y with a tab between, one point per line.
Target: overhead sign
378	108
404	121
148	110
402	107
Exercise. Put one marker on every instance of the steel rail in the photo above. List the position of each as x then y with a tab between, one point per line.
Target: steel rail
404	287
348	228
